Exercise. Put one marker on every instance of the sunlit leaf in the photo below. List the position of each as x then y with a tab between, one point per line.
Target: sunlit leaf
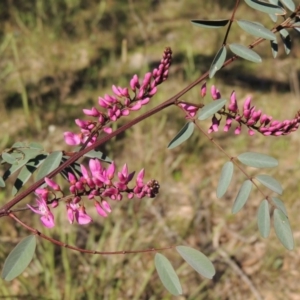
8	158
266	7
245	53
197	260
283	229
242	196
22	158
273	17
263	219
218	61
184	134
279	204
296	26
289	4
257	160
98	154
167	274
270	183
18	145
274	47
37	146
50	163
225	179
286	39
210	109
256	30
19	258
210	23
27	172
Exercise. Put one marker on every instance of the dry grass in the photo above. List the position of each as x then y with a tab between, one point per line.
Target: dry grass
63	63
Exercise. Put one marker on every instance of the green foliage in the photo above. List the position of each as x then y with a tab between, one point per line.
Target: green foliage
167	275
184	134
197	261
210	109
225	179
263	219
19	258
245	53
242	196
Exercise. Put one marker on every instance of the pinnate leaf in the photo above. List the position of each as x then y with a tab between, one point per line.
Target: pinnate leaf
274	47
257	160
245	53
210	23
98	154
266	7
256	30
184	134
19	258
218	61
225	179
279	204
27	172
10	159
286	39
270	182
211	108
263	219
50	163
242	196
289	4
197	260
283	229
167	275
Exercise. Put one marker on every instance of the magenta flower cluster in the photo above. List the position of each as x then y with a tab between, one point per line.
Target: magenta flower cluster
96	184
121	103
248	116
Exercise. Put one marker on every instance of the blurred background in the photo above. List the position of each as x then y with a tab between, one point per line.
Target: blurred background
57	57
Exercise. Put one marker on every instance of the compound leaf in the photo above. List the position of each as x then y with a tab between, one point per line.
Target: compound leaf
167	274
218	61
210	23
263	219
274	47
27	172
184	134
242	196
286	39
257	160
50	163
245	53
211	108
270	182
289	4
279	204
225	179
197	260
19	258
256	30
283	229
266	7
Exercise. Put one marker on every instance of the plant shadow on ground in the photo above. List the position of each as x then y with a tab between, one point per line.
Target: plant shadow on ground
187	210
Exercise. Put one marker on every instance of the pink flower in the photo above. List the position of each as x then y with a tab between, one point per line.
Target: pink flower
75	210
47	217
72	138
52	184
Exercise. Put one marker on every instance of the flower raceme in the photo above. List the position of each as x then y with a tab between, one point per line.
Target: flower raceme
96	184
121	103
248	116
